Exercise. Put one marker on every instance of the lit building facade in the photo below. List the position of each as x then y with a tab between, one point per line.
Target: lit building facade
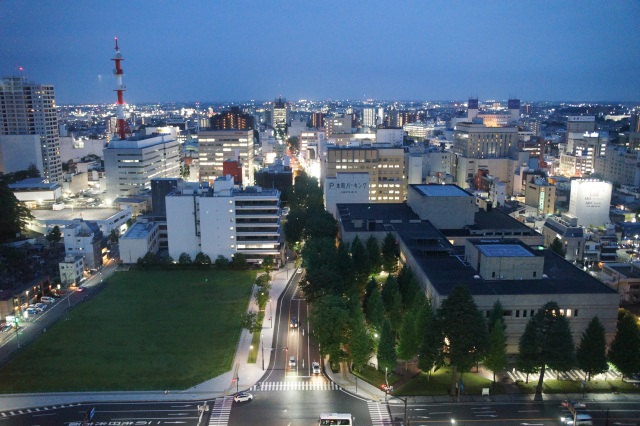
217	146
473	140
30	109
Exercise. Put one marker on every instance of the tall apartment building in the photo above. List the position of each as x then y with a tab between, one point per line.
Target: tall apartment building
619	165
280	116
218	146
473	140
223	221
232	119
130	164
369	117
340	124
28	109
386	168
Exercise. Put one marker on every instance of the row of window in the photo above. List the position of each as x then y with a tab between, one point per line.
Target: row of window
522	313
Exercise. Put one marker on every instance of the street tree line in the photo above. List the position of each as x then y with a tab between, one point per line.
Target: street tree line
356	313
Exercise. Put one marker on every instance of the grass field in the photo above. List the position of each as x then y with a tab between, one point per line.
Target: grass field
440	382
146	330
568	386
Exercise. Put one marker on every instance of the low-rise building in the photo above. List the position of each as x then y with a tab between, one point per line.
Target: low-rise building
141	238
72	269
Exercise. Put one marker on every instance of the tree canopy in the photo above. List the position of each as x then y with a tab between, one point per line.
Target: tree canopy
591	354
624	352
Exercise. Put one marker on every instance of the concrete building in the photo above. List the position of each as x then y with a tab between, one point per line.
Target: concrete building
141	238
36	191
619	165
393	136
339	124
30	109
541	194
217	146
385	166
521	276
345	188
280	117
106	218
82	238
624	278
566	229
130	164
473	140
223	221
18	152
581	123
589	201
72	269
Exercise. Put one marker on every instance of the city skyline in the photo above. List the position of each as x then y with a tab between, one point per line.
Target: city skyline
215	51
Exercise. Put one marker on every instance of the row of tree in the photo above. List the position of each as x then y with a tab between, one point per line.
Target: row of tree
239	261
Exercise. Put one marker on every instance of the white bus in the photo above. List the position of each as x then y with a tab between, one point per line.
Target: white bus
335	419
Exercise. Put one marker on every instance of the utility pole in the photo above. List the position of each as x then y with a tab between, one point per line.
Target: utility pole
262	344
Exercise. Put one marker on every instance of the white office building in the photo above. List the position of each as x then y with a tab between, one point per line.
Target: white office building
130	164
589	201
218	146
223	221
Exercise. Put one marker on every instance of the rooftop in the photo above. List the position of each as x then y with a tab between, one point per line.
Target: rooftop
139	230
503	250
95	214
441	191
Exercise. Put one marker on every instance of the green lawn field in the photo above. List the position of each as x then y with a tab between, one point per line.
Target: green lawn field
147	330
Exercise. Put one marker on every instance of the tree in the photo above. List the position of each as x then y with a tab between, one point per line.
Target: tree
114	236
330	320
185	259
625	348
547	341
373	252
591	354
496	313
556	246
375	310
430	340
267	264
372	285
408	342
392	302
464	329
389	253
202	259
496	356
320	223
222	262
239	261
386	348
360	343
294	227
250	322
54	235
361	265
14	215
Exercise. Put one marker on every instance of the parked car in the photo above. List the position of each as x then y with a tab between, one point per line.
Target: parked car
47	299
32	311
42	306
7	327
80	289
38	309
242	397
315	367
581	420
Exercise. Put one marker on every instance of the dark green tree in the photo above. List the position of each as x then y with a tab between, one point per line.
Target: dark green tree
372	285
624	352
185	259
387	357
54	235
222	262
204	259
320	223
465	332
496	357
267	264
556	246
239	261
392	302
547	342
361	265
375	310
14	215
114	237
591	354
344	265
375	257
496	313
250	322
408	341
430	340
389	253
360	343
294	227
330	321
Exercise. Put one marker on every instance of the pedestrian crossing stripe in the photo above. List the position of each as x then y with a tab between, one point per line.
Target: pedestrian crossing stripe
294	385
221	411
33	410
576	375
379	414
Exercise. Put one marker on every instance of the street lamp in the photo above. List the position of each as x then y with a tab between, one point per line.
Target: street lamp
270	313
262	342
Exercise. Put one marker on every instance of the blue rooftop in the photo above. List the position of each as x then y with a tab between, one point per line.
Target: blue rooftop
504	250
442	191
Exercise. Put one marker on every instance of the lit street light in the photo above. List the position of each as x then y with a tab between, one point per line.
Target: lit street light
262	343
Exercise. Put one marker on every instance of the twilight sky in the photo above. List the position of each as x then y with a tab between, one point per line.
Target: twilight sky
236	50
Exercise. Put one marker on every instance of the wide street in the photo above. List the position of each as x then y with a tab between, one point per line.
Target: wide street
289	393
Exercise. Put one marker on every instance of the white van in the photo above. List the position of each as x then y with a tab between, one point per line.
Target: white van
581	420
292	362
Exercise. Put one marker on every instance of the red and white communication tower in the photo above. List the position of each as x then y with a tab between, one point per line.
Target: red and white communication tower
122	127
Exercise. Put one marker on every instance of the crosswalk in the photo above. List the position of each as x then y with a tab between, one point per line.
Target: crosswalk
379	413
220	411
306	385
577	375
34	410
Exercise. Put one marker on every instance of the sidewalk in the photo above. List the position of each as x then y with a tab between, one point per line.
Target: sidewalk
221	385
349	382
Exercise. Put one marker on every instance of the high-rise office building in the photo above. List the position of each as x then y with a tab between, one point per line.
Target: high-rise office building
581	124
280	117
473	140
232	119
28	109
217	146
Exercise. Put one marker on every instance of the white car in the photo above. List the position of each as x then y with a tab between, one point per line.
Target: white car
42	306
47	299
315	367
581	420
242	397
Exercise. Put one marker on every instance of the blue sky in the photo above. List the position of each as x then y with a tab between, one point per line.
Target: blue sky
240	50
